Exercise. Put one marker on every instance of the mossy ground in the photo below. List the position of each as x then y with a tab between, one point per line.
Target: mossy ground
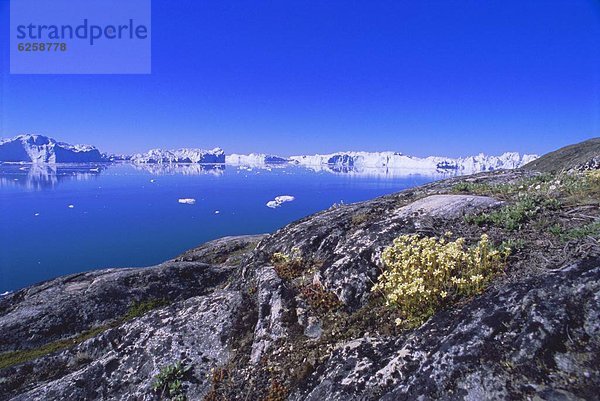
136	309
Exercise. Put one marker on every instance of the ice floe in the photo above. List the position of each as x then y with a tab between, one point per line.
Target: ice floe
187	201
279	200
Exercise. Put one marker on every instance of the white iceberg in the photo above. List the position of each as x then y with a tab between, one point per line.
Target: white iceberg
185	155
187	201
254	159
279	200
41	149
471	164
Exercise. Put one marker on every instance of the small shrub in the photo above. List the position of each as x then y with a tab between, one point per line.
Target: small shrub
424	274
556	229
319	298
288	267
168	383
588	230
218	377
472	188
359	219
512	245
276	392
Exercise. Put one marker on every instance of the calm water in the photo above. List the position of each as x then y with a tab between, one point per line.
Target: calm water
60	220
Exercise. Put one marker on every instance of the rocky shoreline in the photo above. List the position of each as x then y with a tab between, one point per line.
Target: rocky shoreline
291	315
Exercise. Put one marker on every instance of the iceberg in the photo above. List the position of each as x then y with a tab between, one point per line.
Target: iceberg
254	159
187	201
41	149
279	200
180	156
395	160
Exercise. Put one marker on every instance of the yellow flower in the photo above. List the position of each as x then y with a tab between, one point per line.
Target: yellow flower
418	268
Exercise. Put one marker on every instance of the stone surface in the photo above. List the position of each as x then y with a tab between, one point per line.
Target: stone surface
65	306
271	312
120	364
349	240
500	346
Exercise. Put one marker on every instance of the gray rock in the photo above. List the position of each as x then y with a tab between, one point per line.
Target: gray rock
271	313
122	362
68	305
229	251
448	206
506	344
351	251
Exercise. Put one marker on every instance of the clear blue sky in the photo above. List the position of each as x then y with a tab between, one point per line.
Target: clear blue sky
420	77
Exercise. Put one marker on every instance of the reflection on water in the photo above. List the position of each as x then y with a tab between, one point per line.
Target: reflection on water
384	172
183	169
45	176
48	176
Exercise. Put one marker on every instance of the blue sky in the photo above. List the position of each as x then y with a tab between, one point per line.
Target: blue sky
289	77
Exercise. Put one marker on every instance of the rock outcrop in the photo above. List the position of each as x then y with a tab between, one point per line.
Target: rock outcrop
292	315
500	346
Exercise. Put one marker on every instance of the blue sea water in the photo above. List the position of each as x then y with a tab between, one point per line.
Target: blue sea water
57	220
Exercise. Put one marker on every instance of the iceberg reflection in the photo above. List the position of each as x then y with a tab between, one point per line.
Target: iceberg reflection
45	176
184	169
385	172
48	176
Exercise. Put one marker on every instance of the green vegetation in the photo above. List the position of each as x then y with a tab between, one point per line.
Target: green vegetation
505	190
588	230
11	358
140	308
168	383
136	309
473	188
512	244
531	196
425	274
513	216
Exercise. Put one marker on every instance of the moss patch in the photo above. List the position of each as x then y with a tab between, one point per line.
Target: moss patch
137	309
